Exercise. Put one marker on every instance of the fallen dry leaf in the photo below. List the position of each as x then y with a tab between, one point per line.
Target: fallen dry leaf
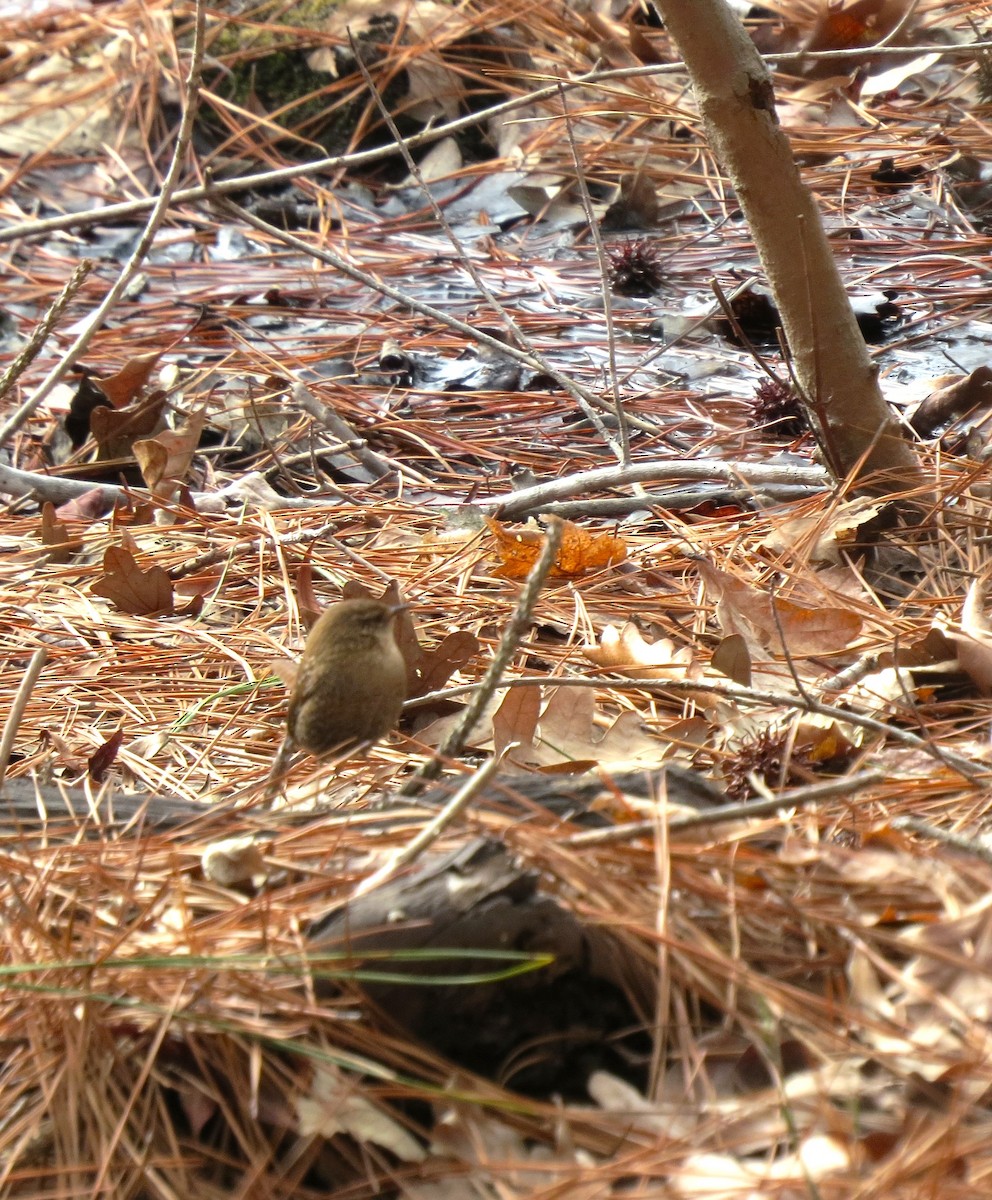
820	739
580	551
337	1104
432	730
516	718
307	604
731	658
627	652
826	536
167	456
450	654
121	388
765	622
132	589
115	431
56	536
435	88
955	958
567	736
102	759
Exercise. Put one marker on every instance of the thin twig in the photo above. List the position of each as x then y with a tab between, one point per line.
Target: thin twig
13	721
435	827
518	625
34	345
298	537
978	845
797	798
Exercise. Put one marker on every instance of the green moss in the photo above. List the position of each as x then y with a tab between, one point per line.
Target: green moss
271	24
263	50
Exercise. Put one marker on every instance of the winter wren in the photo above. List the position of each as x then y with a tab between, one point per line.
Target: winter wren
352	678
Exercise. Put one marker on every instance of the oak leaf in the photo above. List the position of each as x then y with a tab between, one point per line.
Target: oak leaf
626	652
450	654
132	589
765	621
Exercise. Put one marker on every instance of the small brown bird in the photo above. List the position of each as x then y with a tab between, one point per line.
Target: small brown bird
352	678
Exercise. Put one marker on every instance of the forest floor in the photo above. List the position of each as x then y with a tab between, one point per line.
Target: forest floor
313	371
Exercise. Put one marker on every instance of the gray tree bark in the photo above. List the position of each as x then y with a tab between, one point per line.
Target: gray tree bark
858	436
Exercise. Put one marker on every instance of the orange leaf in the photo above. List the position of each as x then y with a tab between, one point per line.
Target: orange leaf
517	551
583	551
580	551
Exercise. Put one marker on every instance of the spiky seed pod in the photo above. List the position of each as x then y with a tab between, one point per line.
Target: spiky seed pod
635	267
779	410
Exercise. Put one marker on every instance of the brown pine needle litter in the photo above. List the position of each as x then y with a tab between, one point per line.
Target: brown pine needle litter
197	994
